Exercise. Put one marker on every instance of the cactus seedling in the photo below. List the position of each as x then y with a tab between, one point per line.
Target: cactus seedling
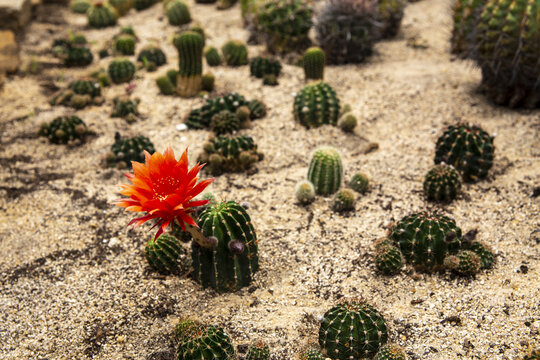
257	109
313	61
80	6
388	258
442	183
325	170
190	46
235	53
164	254
258	351
124	107
344	200
391	352
121	70
69	130
213	58
101	15
316	105
352	329
482	250
198	341
124	151
305	192
465	263
259	67
310	353
177	13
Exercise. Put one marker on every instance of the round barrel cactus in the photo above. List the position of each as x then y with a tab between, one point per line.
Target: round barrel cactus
344	200
390	15
198	341
164	254
201	118
258	351
165	85
190	47
224	122
230	264
325	170
442	183
64	130
257	109
316	104
388	258
125	45
359	182
177	13
305	192
484	252
352	329
213	58
124	151
80	6
86	87
391	352
101	15
121	70
235	53
152	54
259	67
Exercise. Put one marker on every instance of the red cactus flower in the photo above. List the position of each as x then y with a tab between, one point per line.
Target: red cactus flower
164	189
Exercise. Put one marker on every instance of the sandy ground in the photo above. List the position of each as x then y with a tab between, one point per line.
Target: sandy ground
74	281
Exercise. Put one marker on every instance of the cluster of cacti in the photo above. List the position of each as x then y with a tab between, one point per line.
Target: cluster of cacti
469	149
165	254
125	44
190	47
167	83
213	58
359	182
229	154
316	104
388	258
124	151
152	57
230	264
224	122
344	200
72	50
258	351
124	107
70	130
465	262
325	170
177	12
201	117
79	94
121	6
305	192
442	183
197	341
260	66
502	37
313	63
391	352
121	70
101	15
390	15
347	30
285	24
143	4
352	329
235	53
80	6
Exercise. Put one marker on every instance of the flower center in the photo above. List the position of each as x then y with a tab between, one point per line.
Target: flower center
165	186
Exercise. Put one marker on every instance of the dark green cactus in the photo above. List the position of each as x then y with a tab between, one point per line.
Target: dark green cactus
260	66
313	62
344	200
390	15
442	183
121	6
534	355
207	82
224	122
124	151
177	13
310	353
483	251
190	46
235	53
258	351
80	6
121	70
465	263
201	118
316	104
166	87
213	58
124	107
72	51
257	109
391	352
125	45
153	54
86	87
469	149
388	258
101	15
229	154
198	341
78	56
69	130
230	264
270	80
325	170
352	330
425	239
165	254
359	182
305	192
143	4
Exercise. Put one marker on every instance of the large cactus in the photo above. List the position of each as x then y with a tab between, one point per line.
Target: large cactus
316	104
325	170
190	50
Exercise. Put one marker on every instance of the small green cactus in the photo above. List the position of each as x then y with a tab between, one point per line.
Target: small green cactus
153	54
244	117
483	251
359	182
258	351
388	258
208	81
230	264
425	239
469	149
213	58
442	183
344	200
325	170
270	80
86	87
257	109
310	353
316	105
177	13
534	355
70	130
198	341
125	45
101	77
166	87
121	6
347	122
390	15
229	154
124	151
128	30
465	263
224	122
121	70
391	352
124	107
352	329
235	53
190	46
101	15
313	62
143	4
165	253
260	66
80	6
201	118
305	192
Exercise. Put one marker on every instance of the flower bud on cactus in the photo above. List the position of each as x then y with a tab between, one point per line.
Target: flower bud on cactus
391	352
344	200
425	239
469	149
166	87
305	192
359	182
235	53
390	15
190	46
101	15
125	45
124	151
442	183
464	263
164	254
80	6
208	81
143	4
260	66
213	58
352	329
177	13
325	170
121	6
198	341
224	122
258	351
313	61
388	258
121	70
219	267
64	130
152	54
316	105
347	122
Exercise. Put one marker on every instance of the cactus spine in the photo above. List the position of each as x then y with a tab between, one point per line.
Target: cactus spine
325	170
190	46
164	253
313	61
316	105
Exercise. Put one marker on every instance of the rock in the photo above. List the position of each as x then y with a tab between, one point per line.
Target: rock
9	52
15	14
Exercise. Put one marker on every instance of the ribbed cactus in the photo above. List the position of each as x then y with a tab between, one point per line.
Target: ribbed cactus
388	258
316	104
231	263
305	192
425	239
143	4
86	86
258	351
257	109
121	6
313	62
125	45
229	154
344	200
390	15
196	341
124	151
101	15
260	66
325	170
166	87
391	352
201	118
190	46
469	149
124	107
483	251
442	183
464	263
213	58
177	12
121	70
78	56
235	53
69	130
165	253
80	6
224	122
153	54
359	182
352	329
